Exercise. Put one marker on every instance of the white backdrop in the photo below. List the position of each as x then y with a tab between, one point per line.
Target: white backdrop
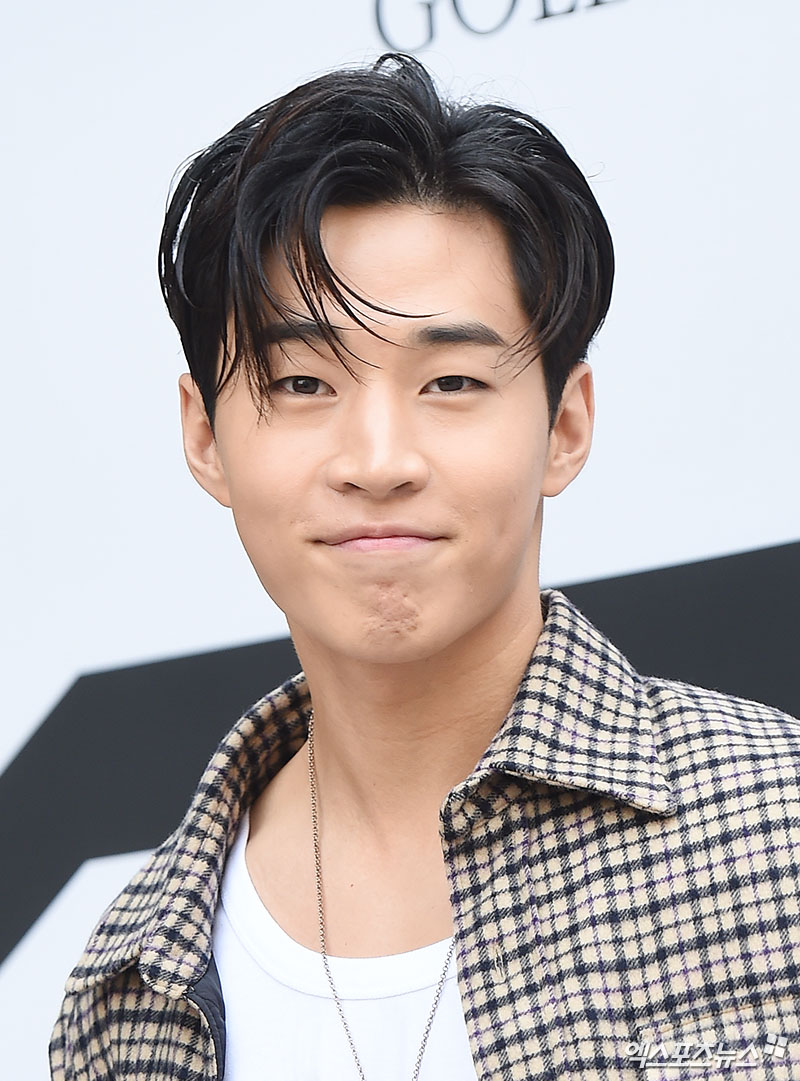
684	115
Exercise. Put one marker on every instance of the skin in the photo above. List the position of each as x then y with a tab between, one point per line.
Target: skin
413	650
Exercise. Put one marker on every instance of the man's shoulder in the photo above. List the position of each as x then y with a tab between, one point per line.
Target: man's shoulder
678	708
685	710
162	919
731	761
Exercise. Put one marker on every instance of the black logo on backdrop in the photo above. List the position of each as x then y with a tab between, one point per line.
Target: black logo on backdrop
395	18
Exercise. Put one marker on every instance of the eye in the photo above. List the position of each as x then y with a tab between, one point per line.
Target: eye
306	385
449	384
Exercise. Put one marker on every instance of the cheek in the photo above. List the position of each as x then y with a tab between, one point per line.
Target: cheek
504	482
262	502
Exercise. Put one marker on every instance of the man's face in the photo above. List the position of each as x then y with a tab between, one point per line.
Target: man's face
443	445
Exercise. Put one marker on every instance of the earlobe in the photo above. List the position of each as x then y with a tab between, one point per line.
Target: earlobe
199	444
571	436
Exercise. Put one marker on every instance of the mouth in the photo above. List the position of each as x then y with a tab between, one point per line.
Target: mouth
402	543
381	537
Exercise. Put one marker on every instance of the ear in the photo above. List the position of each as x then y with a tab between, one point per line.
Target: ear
199	444
571	436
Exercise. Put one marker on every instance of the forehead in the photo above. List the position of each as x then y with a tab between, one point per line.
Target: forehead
439	265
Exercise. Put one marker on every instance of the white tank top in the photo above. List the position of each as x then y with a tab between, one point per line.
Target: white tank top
281	1020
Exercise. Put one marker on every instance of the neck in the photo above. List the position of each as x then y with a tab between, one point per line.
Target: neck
391	740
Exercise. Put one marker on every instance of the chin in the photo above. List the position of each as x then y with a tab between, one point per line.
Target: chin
396	643
367	641
390	653
390	623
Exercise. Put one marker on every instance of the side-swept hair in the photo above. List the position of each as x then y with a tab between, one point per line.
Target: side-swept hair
357	138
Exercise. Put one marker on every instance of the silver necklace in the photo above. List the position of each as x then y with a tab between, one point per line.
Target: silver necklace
312	783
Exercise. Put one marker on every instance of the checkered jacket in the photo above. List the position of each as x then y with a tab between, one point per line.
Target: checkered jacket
623	864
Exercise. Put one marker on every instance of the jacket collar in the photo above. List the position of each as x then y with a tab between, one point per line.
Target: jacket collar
580	719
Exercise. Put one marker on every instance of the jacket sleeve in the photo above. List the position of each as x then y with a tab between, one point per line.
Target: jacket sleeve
81	1039
122	1028
60	1068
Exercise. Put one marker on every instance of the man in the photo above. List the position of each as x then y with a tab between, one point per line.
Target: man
468	840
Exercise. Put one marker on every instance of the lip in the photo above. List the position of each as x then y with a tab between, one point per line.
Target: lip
402	533
384	544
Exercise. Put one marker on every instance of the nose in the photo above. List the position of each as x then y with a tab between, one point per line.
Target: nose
377	446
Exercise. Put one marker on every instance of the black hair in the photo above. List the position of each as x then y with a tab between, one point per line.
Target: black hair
367	136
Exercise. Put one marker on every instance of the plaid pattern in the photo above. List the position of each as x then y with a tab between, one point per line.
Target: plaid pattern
624	871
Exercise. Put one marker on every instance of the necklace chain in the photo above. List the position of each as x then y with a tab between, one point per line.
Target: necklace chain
312	782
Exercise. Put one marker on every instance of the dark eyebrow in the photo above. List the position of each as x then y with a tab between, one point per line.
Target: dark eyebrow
293	330
469	333
472	332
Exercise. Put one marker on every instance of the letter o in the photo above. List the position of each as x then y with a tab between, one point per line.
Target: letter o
380	23
492	30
